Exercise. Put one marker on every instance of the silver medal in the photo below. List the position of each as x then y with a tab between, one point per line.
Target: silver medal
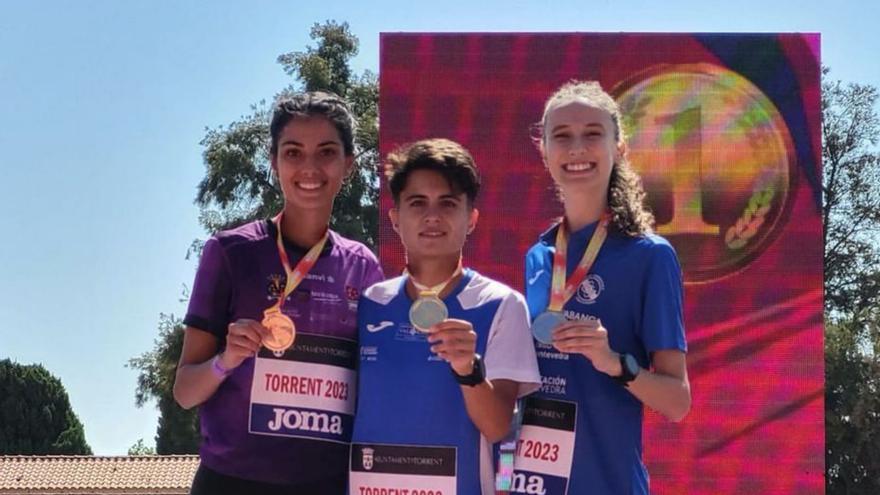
426	312
544	324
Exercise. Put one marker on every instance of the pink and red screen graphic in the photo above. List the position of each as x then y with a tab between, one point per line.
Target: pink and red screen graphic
724	131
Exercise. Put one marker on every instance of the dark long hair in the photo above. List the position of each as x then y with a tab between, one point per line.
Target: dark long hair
325	104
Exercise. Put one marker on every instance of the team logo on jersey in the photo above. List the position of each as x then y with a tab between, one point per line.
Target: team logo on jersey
379	326
536	276
367	458
275	287
351	293
590	289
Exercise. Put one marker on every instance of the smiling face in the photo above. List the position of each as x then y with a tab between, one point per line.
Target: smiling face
310	163
579	146
431	219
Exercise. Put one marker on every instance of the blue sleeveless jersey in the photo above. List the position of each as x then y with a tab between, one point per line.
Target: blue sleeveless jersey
582	431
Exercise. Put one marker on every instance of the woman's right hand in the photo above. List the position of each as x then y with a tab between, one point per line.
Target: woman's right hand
243	340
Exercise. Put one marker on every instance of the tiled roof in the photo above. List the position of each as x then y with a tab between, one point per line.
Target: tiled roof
49	475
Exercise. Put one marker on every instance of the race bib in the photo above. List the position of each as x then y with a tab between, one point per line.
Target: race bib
379	469
544	451
308	392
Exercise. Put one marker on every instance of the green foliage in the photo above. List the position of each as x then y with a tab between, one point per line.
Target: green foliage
851	217
325	67
852	407
178	431
851	193
236	187
35	413
140	448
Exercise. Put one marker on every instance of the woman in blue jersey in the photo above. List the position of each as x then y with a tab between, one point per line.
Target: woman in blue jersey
269	352
605	295
444	351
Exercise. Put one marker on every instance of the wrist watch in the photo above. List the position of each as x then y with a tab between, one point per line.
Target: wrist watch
477	376
629	369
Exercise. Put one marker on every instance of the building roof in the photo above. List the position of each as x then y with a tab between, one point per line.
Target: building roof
51	474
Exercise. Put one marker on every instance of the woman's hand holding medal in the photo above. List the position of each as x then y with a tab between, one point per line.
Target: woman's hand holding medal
456	343
243	340
588	338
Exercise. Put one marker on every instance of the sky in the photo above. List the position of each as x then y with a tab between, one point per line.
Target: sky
102	108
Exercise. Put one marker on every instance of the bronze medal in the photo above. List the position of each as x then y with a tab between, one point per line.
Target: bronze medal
282	331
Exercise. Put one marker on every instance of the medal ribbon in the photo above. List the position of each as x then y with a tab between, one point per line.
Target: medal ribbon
426	291
297	275
560	294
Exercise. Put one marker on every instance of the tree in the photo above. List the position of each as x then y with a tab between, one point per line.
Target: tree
236	189
178	430
35	413
140	448
851	217
852	407
851	192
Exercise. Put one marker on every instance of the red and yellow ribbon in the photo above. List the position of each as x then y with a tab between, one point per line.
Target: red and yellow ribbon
296	275
559	293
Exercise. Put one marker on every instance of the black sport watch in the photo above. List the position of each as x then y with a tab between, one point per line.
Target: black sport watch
629	369
477	376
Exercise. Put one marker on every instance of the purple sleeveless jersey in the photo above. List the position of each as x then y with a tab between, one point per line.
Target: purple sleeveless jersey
282	418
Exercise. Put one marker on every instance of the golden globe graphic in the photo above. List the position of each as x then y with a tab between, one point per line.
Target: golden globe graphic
716	160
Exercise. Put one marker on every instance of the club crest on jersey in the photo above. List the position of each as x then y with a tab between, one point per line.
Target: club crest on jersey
352	293
275	287
590	289
367	458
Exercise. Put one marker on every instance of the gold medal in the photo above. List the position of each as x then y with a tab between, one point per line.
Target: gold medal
282	331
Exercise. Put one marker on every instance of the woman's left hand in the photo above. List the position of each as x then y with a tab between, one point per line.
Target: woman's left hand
590	339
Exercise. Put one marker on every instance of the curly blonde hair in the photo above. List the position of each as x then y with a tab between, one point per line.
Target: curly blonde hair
626	196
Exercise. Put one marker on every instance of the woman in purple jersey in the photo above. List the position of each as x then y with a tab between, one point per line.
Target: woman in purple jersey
280	422
626	278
